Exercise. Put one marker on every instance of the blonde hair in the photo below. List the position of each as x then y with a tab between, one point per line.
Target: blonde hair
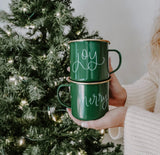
154	64
155	42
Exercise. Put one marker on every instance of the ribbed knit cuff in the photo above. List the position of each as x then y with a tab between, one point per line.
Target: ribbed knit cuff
141	132
115	133
131	95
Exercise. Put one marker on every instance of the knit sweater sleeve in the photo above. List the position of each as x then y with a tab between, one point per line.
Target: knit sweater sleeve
141	130
142	93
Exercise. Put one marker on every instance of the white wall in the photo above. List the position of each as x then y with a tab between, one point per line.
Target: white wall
127	24
4	5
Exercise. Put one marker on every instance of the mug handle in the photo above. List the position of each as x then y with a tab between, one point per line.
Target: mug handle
120	59
59	99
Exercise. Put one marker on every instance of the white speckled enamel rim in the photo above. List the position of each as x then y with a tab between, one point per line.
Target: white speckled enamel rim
80	40
88	83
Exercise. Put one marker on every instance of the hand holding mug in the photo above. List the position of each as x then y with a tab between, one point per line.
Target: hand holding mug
117	94
89	79
89	101
113	118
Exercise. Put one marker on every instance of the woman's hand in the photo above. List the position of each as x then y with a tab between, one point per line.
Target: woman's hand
113	118
117	94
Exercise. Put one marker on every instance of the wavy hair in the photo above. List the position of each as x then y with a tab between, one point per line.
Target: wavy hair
155	42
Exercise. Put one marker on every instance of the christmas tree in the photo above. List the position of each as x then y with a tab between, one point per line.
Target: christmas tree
34	56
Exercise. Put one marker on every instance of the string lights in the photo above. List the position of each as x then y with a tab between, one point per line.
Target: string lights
21	141
8	33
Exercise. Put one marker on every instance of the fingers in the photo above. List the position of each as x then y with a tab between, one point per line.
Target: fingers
95	124
98	124
114	102
110	65
113	77
68	69
73	118
85	124
110	68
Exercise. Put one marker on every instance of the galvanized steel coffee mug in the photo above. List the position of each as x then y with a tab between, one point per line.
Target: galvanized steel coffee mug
89	60
89	101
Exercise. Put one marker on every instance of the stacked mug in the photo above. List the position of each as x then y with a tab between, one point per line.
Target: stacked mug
89	78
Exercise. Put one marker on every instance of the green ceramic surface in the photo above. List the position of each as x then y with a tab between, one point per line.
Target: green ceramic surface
88	101
89	60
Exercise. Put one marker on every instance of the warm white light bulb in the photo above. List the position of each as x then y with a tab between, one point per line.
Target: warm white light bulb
58	14
10	61
78	33
51	52
55	83
8	141
32	26
54	118
65	44
20	77
24	102
21	141
27	27
24	9
12	79
43	10
8	33
44	56
102	131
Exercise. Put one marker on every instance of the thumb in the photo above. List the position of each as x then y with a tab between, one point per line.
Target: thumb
110	68
110	65
113	76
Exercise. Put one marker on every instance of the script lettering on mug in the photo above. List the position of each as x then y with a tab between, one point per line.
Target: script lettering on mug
97	100
85	56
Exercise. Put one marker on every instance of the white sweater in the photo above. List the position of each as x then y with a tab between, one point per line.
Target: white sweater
142	123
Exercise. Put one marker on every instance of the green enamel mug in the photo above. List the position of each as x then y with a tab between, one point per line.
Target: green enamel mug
89	101
89	60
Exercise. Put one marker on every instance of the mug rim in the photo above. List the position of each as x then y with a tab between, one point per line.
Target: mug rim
88	83
81	40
